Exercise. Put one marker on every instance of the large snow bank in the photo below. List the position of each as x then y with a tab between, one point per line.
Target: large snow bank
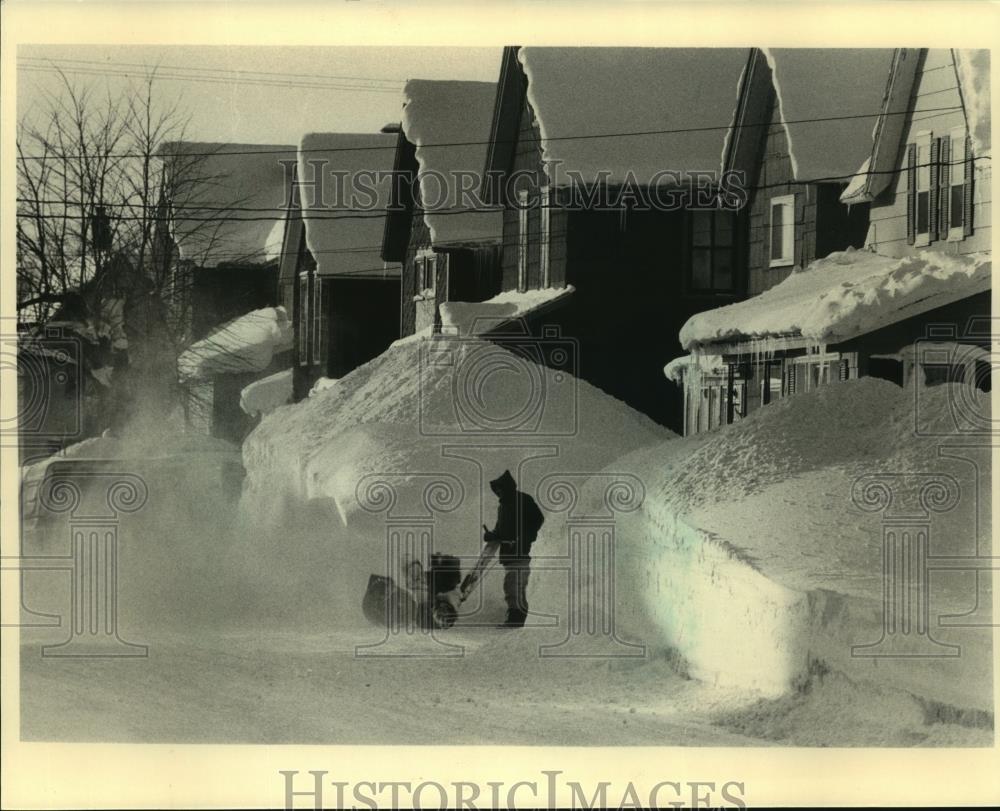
844	295
475	318
753	559
263	396
818	83
228	199
245	344
402	418
449	124
681	98
413	398
344	212
973	70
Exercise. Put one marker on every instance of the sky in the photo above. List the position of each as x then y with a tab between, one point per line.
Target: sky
269	95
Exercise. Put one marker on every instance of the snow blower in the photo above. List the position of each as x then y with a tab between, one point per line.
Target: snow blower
429	598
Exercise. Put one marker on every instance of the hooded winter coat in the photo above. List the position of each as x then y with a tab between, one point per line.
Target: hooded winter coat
518	520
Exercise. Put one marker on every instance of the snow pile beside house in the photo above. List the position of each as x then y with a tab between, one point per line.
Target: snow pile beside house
245	344
973	68
757	553
844	295
402	435
263	396
475	318
448	123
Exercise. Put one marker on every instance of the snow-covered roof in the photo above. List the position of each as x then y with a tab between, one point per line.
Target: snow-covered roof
227	199
813	84
678	367
476	318
844	295
684	100
972	66
449	125
245	344
344	218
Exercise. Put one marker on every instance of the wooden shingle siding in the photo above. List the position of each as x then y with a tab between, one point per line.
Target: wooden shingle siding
420	238
776	179
527	160
936	87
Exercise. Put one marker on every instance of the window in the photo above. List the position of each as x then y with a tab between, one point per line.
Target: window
426	273
522	241
545	214
713	241
956	168
319	329
303	348
815	370
770	385
939	188
782	231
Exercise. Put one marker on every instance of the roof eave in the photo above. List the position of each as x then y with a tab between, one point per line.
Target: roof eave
506	120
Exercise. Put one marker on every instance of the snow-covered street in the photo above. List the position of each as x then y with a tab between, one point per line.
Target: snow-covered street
747	614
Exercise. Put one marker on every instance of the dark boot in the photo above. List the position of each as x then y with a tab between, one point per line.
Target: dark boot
515	587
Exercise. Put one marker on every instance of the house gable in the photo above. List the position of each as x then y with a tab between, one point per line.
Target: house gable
935	110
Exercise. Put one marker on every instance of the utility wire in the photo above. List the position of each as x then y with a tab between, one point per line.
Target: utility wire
47	61
361	214
584	137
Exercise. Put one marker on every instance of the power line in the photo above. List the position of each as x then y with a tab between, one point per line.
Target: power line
584	137
194	68
219	80
355	213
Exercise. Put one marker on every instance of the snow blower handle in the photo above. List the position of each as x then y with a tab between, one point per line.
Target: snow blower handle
473	577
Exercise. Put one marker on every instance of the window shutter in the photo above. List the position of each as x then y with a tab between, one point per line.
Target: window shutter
845	369
935	190
911	194
944	183
969	176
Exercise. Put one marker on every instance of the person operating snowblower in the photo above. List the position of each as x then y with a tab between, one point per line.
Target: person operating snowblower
518	521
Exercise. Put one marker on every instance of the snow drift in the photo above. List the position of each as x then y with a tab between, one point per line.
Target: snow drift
751	557
444	410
